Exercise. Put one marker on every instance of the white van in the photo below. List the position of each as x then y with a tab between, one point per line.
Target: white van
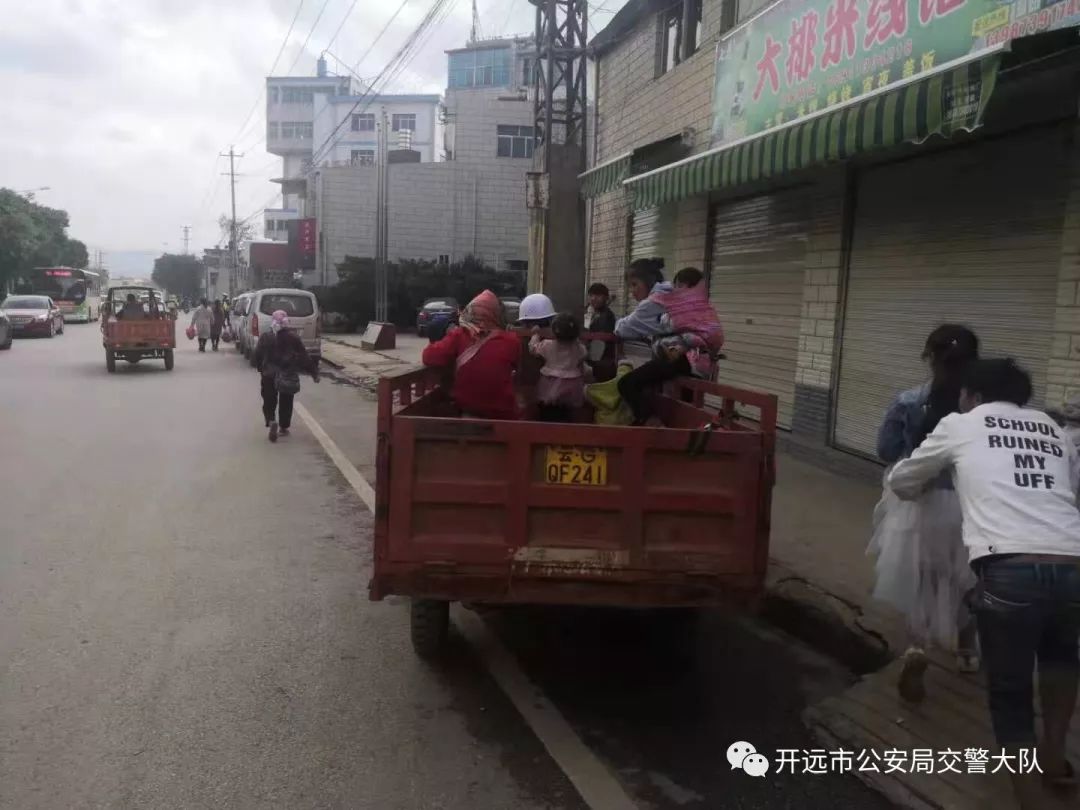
301	307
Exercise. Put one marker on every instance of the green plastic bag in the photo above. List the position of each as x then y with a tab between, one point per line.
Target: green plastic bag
604	397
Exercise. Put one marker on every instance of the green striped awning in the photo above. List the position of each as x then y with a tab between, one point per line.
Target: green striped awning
951	99
608	175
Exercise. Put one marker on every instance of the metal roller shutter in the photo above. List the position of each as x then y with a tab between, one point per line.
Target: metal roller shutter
969	236
653	234
756	286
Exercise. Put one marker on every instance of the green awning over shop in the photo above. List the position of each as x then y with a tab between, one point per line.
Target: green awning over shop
951	99
605	177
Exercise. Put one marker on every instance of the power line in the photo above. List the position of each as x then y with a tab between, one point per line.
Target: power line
307	39
281	50
341	25
405	54
379	36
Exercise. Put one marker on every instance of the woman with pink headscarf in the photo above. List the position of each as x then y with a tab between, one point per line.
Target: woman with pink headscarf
280	356
484	356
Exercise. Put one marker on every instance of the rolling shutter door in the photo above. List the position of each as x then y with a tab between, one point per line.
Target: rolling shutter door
653	235
971	236
756	286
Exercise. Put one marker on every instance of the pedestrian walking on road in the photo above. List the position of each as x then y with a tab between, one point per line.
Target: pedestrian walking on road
922	567
280	357
216	324
202	320
1016	475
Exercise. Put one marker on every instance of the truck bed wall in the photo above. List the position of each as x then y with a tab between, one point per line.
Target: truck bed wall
463	507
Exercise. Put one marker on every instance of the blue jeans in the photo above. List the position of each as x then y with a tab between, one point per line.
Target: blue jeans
1025	612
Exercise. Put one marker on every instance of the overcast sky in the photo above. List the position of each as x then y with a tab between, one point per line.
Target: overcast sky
121	107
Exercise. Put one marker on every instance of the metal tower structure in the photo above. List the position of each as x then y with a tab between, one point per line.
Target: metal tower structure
561	94
557	212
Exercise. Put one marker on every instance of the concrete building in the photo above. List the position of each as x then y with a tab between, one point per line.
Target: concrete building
846	193
346	124
470	203
333	115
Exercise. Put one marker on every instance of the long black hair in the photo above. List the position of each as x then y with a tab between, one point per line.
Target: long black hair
649	271
950	349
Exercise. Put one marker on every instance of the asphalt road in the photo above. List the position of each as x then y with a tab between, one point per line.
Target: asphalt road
184	623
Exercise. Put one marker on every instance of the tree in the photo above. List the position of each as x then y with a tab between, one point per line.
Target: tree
181	274
245	231
33	235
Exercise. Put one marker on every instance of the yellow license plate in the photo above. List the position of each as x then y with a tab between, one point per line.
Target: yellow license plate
576	466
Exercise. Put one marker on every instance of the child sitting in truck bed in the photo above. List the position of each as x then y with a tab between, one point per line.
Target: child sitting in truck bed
690	323
561	388
484	357
689	338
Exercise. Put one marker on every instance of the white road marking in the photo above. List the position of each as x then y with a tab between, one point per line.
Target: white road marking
596	784
352	475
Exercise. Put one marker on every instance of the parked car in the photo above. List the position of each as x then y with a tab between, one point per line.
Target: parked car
34	315
435	310
237	312
512	306
7	332
302	309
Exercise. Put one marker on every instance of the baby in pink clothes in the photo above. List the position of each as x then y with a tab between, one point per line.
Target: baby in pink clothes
561	389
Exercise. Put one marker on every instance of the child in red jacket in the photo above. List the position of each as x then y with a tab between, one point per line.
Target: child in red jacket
484	356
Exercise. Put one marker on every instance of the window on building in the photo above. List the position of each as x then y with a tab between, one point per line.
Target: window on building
363	122
297	130
271	130
362	157
400	121
528	72
679	31
484	67
515	141
297	95
273	95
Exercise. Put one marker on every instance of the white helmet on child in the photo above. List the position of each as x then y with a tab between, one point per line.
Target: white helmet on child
536	307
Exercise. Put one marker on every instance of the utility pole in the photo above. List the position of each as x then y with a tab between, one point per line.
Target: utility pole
234	251
381	230
187	238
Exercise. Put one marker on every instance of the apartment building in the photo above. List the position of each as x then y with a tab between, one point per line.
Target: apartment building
335	117
471	202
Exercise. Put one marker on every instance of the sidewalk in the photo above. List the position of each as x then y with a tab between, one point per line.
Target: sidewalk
818	589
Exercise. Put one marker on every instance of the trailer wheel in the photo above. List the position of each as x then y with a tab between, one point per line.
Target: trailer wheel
110	361
429	627
168	359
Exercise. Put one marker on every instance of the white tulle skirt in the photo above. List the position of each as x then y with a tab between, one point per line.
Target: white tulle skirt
922	566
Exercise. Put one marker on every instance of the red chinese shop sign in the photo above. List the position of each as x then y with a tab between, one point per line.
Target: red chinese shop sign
801	56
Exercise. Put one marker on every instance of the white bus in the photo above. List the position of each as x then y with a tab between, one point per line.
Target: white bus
76	292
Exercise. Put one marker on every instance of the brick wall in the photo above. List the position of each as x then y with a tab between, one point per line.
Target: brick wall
820	308
634	108
1063	368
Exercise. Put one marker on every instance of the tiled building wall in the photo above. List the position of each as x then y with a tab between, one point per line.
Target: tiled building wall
1063	369
435	209
636	107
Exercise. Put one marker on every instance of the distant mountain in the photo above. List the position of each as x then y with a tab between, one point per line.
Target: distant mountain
131	263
